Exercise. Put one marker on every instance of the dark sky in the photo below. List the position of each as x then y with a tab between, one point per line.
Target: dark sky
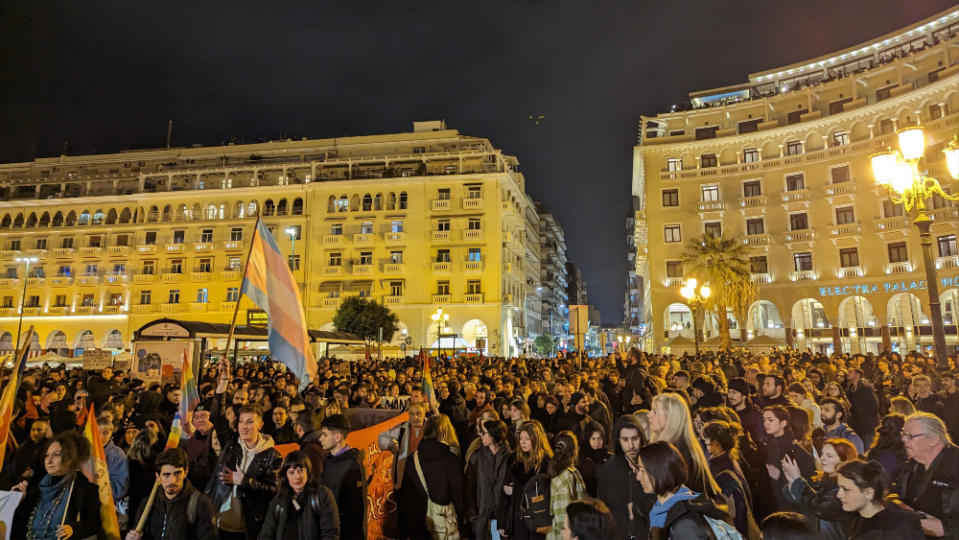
109	77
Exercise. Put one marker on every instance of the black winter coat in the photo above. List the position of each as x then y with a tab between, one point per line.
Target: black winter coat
443	471
169	518
617	486
820	501
317	517
259	484
83	512
935	493
685	521
345	475
889	524
486	475
775	450
865	408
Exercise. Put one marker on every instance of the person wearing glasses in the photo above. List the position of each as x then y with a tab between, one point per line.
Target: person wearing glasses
929	481
303	508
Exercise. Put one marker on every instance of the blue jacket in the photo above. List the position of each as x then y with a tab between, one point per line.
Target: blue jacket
119	470
843	431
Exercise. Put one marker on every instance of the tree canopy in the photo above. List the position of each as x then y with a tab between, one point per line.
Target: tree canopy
722	263
364	317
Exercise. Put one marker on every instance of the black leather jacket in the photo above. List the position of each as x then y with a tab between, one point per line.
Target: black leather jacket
259	484
318	515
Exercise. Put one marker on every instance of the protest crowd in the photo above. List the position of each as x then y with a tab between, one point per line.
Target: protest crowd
781	445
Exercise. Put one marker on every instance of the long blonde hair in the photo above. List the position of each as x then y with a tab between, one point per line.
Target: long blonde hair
439	428
679	431
540	449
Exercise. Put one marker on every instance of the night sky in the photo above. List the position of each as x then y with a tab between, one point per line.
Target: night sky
109	78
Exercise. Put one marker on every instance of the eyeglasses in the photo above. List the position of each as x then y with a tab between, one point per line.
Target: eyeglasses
906	435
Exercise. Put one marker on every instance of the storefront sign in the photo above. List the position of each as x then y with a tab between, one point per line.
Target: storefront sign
886	287
256	317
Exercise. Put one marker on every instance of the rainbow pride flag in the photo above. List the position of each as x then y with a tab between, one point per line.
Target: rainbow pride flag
176	431
428	381
97	472
8	399
268	282
189	396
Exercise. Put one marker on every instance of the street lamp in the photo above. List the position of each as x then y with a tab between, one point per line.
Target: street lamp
898	171
23	294
442	320
291	231
696	296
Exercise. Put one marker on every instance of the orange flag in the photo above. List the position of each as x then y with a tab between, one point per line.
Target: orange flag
97	472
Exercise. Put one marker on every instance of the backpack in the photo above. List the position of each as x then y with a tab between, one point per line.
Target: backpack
722	530
534	506
191	508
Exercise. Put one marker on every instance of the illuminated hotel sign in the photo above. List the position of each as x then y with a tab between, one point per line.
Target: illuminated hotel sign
887	287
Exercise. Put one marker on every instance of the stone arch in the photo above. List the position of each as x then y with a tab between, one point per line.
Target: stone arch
727	156
474	330
34	342
167	213
763	315
809	313
856	312
6	221
239	210
154	214
31	220
57	220
905	309
57	340
367	202
354	202
84	218
210	211
112	216
281	207
113	339
85	340
18	221
297	208
44	220
6	341
125	216
252	208
378	202
769	150
814	141
98	217
678	319
331	204
391	201
343	203
402	201
269	208
949	300
859	131
402	332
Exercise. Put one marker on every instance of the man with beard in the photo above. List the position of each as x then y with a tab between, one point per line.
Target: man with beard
201	446
703	392
179	511
577	418
739	400
834	423
616	483
950	400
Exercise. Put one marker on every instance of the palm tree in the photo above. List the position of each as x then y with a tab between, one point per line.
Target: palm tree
744	293
720	262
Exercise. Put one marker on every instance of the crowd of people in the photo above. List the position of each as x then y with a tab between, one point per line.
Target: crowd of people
782	445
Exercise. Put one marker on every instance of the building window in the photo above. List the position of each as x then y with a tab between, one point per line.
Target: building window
87	300
202	296
146	297
749	126
179	236
443	194
795	182
713	228
751	155
363	293
235	263
366	257
365	228
947	246
174	297
845	215
758	265
42	243
236	234
122	240
473	224
64	271
839	174
474	255
396	257
755	226
396	226
670	197
7	301
149	267
38	272
206	235
336	229
443	255
840	138
442	287
294	262
94	241
443	225
674	164
848	257
119	268
793	148
707	160
204	265
898	252
396	288
473	287
710	193
474	192
886	126
232	294
672	233
674	269
802	262
890	209
176	266
33	301
336	259
342	204
150	238
798	222
60	301
92	270
752	188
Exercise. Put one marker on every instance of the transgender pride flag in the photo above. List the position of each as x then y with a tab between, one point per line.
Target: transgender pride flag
189	397
269	283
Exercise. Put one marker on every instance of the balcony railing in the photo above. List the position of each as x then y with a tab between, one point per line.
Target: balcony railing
143	308
800	235
442	299
83	310
441	235
233	245
472	234
172	276
796	195
200	275
118	251
362	269
674	282
116	278
91	251
9	253
203	247
757	201
392	300
199	307
476	298
841	188
9	282
227	305
230	274
63	252
331	301
756	239
144	278
88	280
332	270
394	268
892	223
946	213
147	248
846	229
948	262
850	272
58	310
440	204
363	239
169	308
175	248
442	266
36	252
394	237
712	206
761	278
34	281
113	308
473	266
61	281
899	268
333	240
472	204
804	275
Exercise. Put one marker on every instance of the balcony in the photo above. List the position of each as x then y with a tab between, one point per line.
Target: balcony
61	281
118	251
172	276
362	269
233	245
845	230
144	278
91	251
804	275
712	206
392	238
761	278
7	312
199	307
472	204
796	195
892	223
9	253
115	278
34	281
801	235
899	268
143	308
392	300
63	252
841	188
441	235
333	270
31	311
36	252
850	272
674	282
200	275
227	306
9	282
363	239
440	204
169	308
758	201
476	298
947	262
88	280
203	247
113	308
175	248
58	310
442	266
331	301
83	310
756	240
394	268
473	266
147	248
230	274
442	299
946	213
472	234
334	240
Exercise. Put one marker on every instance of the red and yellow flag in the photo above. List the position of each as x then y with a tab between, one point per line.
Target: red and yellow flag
98	473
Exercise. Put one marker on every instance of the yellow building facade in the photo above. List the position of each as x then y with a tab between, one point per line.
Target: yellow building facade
416	221
783	163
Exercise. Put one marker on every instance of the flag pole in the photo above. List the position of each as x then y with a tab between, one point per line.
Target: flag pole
149	506
19	361
67	506
239	299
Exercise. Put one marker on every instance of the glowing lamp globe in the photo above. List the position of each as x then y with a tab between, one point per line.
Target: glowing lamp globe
883	167
912	142
704	291
952	159
902	177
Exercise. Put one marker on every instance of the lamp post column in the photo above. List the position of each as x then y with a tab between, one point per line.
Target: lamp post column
923	223
695	332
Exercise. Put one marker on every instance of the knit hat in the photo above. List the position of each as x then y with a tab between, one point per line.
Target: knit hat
574	399
740	385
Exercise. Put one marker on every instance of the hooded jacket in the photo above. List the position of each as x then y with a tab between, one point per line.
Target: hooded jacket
443	471
260	466
345	476
487	475
316	518
617	486
169	518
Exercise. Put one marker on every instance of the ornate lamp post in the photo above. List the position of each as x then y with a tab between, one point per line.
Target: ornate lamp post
23	296
442	320
899	172
696	297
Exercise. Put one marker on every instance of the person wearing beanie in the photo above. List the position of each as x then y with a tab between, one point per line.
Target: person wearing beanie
739	400
577	418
